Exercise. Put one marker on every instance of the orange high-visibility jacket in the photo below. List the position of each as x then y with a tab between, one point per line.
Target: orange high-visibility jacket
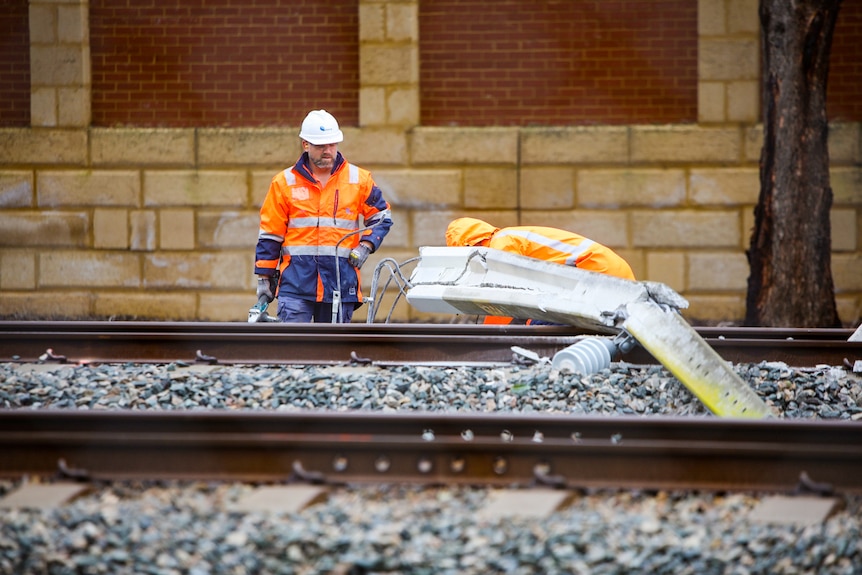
301	223
549	244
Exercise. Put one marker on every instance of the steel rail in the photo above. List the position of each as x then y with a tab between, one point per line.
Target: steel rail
424	448
275	343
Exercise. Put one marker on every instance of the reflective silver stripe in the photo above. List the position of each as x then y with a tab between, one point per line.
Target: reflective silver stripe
303	222
262	235
289	177
326	223
573	251
314	251
352	174
379	217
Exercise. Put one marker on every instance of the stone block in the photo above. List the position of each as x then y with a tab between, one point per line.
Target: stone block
17	270
228	229
705	308
260	181
44	305
73	107
743	101
44	228
16	189
372	106
490	188
667	268
195	188
402	21
177	229
402	106
753	143
846	185
728	58
844	143
199	270
711	102
574	145
685	228
59	65
165	306
374	146
718	271
215	306
110	228
742	17
372	25
462	146
606	227
399	233
547	188
724	186
422	189
73	23
711	18
429	228
89	269
142	230
845	230
43	107
43	23
681	143
165	147
27	146
617	188
387	64
60	188
849	310
845	272
248	146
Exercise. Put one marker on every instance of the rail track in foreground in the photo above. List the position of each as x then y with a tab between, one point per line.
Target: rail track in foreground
275	343
488	449
512	450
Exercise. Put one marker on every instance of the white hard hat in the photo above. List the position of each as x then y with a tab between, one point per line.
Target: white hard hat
320	127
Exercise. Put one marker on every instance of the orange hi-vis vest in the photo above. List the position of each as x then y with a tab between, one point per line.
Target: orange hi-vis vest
548	244
302	223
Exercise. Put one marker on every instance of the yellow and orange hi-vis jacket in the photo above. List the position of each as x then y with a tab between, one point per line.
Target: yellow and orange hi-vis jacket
548	244
301	223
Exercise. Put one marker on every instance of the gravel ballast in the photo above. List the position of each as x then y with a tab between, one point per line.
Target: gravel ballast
190	528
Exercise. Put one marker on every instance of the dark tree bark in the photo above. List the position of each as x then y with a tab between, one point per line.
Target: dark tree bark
791	274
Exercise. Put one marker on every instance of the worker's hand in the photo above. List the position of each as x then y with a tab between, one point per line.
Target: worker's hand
359	254
266	287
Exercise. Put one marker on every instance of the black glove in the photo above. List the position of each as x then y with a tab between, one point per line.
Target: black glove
266	287
358	255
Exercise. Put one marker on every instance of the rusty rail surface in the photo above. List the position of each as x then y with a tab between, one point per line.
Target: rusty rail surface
486	449
275	343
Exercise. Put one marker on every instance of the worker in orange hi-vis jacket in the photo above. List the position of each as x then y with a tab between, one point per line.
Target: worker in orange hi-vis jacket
544	243
319	222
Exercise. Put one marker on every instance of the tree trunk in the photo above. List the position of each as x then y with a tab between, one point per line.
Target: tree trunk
790	254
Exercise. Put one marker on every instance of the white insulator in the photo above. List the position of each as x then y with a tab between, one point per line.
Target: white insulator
586	357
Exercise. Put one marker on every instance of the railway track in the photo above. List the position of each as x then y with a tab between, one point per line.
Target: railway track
274	343
337	448
432	448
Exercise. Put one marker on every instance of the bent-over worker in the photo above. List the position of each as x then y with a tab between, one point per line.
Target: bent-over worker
544	243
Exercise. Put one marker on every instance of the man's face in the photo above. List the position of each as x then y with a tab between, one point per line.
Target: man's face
322	156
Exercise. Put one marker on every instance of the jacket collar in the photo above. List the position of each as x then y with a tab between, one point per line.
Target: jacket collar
302	166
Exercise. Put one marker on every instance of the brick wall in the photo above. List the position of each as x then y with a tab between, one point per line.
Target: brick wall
844	93
14	63
558	63
222	62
